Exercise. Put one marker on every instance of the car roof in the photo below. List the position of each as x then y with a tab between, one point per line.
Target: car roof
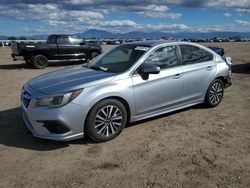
152	43
61	35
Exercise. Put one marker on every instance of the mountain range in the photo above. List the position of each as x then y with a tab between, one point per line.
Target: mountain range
94	33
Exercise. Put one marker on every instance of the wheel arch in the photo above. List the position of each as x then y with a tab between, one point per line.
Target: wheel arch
118	98
223	79
40	53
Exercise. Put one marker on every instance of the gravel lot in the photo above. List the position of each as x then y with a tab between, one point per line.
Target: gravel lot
194	147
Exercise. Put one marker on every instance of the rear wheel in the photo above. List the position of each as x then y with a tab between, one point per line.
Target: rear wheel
106	120
40	62
214	93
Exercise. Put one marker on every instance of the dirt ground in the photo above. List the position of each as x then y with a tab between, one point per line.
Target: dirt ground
194	147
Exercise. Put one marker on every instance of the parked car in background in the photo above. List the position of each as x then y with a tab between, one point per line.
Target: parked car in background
5	43
57	48
128	83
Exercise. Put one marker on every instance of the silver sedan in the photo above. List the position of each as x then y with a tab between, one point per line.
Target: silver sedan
128	83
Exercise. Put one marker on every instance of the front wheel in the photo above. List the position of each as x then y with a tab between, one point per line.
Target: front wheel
106	120
214	93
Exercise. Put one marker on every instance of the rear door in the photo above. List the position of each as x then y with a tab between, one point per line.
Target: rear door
80	49
159	91
66	50
198	72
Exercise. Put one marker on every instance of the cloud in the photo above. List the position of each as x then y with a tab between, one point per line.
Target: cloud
72	15
79	15
167	27
155	11
122	26
51	13
155	8
119	23
213	28
243	22
239	5
227	15
146	8
151	14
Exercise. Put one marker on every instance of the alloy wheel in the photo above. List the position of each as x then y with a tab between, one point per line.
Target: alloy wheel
216	93
41	61
108	120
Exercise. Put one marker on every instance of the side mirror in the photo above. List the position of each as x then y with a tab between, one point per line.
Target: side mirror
150	69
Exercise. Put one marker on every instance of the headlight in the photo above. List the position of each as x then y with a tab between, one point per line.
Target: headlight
58	100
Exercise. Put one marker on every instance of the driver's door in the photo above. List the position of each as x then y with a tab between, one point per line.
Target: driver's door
159	91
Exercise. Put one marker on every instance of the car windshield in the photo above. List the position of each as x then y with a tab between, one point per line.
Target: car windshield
118	59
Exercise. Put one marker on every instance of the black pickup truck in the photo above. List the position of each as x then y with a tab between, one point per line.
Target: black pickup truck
57	48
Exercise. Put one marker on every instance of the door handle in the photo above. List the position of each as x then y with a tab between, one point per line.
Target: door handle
209	68
177	76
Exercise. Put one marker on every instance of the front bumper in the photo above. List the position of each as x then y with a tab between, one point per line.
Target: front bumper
71	116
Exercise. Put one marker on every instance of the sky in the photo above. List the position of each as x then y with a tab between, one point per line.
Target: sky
36	17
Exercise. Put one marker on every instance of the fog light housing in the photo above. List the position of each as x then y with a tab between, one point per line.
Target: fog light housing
55	127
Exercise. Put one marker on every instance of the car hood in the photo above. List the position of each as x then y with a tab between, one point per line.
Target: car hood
68	79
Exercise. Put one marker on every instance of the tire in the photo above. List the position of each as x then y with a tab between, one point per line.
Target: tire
106	120
94	54
214	93
40	62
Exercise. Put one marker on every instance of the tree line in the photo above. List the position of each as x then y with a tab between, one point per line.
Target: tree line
15	38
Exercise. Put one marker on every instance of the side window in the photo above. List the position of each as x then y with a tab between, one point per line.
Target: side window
192	54
51	39
75	40
63	40
165	57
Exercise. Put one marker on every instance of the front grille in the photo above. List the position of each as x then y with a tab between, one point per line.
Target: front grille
25	98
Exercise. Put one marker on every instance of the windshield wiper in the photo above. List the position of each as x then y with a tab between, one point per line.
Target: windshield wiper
98	68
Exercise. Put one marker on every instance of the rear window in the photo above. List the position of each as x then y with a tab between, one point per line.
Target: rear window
192	54
63	40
